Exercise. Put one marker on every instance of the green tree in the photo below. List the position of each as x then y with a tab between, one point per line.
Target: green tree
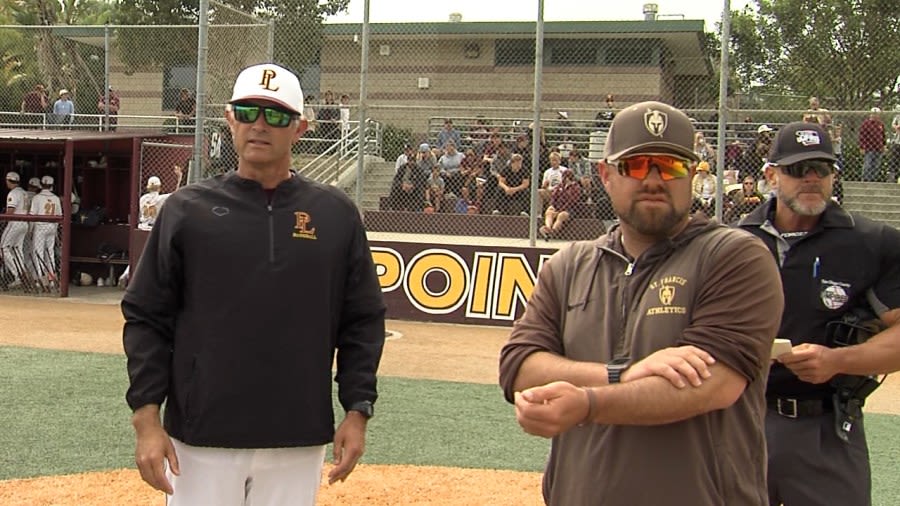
298	26
845	50
39	53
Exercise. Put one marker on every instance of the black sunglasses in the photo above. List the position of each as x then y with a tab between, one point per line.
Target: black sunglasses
275	117
822	168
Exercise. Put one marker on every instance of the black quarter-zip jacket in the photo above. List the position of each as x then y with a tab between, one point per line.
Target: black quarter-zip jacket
239	307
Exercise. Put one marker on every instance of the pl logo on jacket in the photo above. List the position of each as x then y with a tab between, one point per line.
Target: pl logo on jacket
301	226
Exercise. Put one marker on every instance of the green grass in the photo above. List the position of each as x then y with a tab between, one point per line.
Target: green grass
64	412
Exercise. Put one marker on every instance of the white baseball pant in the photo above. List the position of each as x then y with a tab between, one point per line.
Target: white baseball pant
11	244
246	477
43	243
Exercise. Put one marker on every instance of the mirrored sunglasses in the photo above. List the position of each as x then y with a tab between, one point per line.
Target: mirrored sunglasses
273	116
822	168
639	167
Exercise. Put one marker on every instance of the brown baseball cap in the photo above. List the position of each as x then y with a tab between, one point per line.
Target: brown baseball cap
650	127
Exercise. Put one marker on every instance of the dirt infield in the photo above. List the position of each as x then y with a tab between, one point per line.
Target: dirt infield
468	354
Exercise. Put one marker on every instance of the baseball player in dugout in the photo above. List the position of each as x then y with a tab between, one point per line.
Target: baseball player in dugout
251	285
643	354
151	202
841	278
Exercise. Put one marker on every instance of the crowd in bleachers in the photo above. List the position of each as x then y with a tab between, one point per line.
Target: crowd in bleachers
483	166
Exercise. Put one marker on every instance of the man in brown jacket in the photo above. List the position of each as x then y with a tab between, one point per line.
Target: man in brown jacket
644	354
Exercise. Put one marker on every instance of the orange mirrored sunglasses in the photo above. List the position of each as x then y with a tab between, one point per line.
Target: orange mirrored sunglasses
639	166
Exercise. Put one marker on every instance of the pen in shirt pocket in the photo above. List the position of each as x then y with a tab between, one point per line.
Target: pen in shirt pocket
815	269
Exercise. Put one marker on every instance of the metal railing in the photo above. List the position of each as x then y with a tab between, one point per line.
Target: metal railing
336	164
77	121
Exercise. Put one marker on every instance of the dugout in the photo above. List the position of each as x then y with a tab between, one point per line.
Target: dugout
108	171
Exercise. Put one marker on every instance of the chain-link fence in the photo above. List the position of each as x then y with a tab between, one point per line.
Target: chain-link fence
111	77
427	85
473	85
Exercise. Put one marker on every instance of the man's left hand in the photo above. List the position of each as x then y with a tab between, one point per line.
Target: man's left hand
812	363
349	446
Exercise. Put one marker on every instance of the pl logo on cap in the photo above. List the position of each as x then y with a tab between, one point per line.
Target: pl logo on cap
656	122
808	138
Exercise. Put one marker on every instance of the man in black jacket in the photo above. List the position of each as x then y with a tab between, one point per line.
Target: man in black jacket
833	264
251	285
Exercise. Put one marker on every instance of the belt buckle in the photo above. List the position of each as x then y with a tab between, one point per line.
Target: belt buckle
786	407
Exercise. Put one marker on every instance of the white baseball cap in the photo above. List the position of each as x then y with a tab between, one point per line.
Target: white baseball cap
764	128
63	92
12	176
271	82
47	180
153	181
34	182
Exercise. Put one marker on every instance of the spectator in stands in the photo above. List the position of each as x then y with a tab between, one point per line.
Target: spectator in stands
745	131
523	147
409	153
584	174
63	110
434	190
553	176
490	148
704	190
425	160
744	200
837	193
500	159
513	183
479	134
449	134
185	108
837	142
451	165
473	188
706	152
113	108
604	118
309	114
752	160
893	165
764	186
329	118
35	103
872	145
470	161
543	150
408	187
566	195
345	114
764	134
816	114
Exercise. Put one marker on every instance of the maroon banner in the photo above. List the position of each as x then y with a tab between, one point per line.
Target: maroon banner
486	285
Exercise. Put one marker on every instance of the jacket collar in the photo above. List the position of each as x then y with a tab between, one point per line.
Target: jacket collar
834	216
698	224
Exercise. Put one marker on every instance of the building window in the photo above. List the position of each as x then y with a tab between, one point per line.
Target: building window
572	52
176	77
631	53
513	52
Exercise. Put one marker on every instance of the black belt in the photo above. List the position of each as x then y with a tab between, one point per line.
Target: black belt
794	408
